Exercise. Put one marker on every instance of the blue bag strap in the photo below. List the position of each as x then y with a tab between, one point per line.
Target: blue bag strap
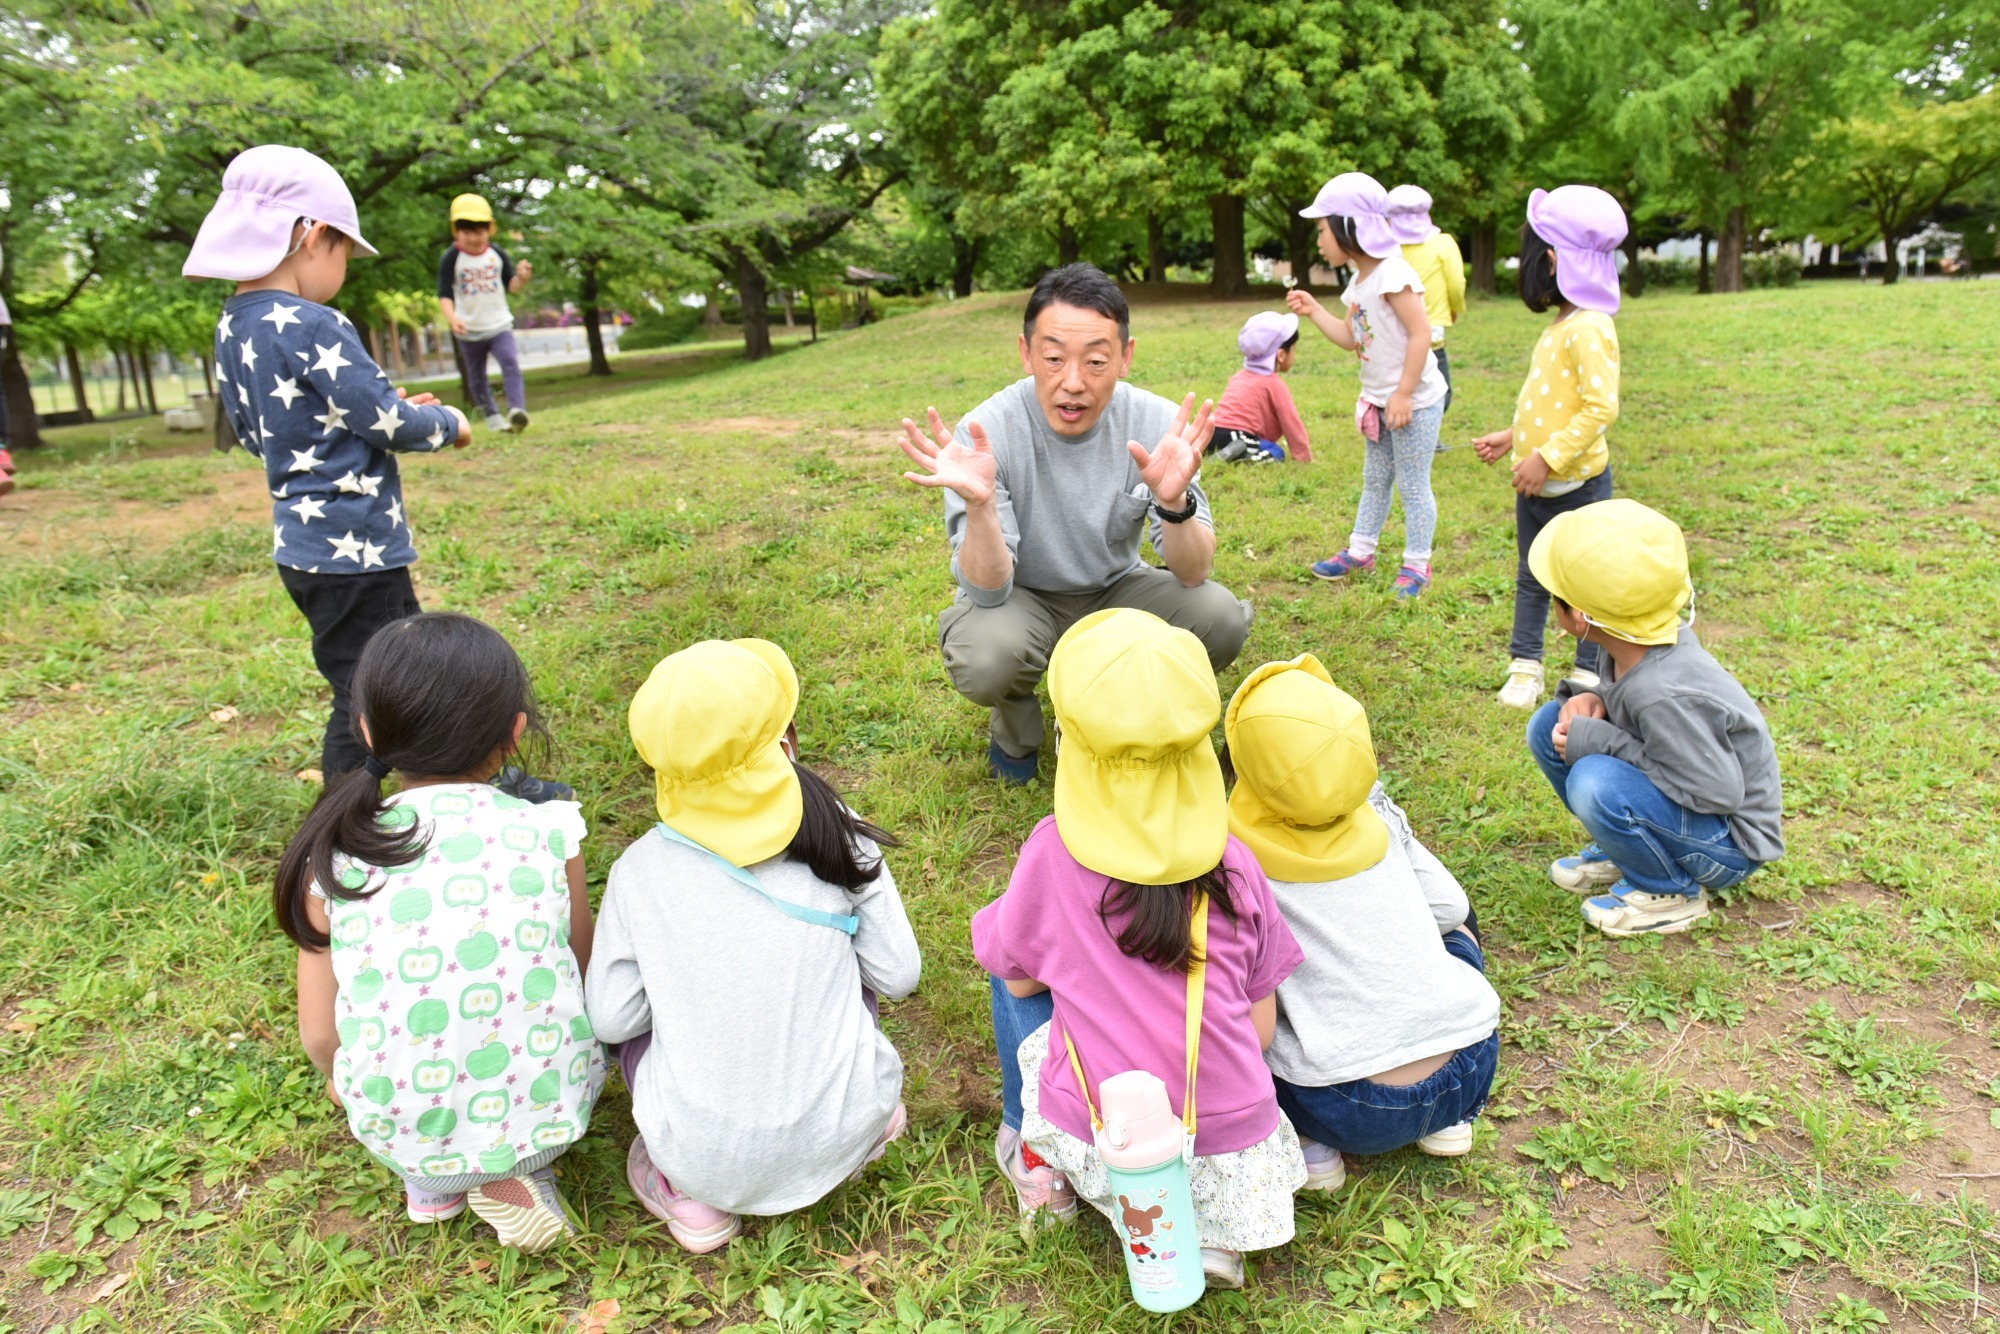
847	923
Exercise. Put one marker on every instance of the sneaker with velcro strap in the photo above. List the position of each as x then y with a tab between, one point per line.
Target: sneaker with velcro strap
1628	910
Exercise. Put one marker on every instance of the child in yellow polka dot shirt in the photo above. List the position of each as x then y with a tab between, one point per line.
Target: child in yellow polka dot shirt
1559	442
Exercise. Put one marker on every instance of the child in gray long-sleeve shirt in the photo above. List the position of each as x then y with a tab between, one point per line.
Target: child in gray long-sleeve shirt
1668	762
737	951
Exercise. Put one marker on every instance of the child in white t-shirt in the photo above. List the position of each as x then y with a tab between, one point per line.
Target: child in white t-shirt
1402	393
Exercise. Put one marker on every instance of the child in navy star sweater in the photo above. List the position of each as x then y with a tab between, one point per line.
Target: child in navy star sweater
302	393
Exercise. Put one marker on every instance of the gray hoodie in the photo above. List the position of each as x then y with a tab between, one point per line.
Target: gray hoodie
1681	719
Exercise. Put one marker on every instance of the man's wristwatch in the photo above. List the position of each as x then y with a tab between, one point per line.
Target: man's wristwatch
1177	516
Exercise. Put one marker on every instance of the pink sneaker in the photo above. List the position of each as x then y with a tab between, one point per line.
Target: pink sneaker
899	1121
1038	1188
423	1206
698	1227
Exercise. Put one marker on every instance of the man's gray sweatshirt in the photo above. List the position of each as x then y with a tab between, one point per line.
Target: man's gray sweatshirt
1681	719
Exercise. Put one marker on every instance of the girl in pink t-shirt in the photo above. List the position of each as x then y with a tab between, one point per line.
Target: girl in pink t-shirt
1098	913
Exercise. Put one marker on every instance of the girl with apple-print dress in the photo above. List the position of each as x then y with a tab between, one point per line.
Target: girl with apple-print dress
443	932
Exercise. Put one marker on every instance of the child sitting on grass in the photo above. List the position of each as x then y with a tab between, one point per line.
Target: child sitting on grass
1388	1032
443	932
1100	913
1256	410
743	943
1667	764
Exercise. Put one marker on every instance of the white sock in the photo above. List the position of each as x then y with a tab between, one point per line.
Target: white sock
1363	547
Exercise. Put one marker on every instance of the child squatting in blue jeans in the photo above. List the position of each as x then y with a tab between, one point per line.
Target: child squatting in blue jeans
1388	1033
1667	764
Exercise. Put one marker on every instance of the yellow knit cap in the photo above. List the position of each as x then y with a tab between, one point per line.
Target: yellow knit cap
1619	563
710	720
1304	768
1138	788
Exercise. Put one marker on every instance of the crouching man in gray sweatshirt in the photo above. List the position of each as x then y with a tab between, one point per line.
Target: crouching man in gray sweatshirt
1048	487
1667	763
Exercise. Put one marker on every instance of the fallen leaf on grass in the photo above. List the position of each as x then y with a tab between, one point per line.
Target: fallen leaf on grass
226	714
850	1263
310	776
110	1286
599	1317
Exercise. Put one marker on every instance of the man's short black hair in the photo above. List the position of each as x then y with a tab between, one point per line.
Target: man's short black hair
1084	286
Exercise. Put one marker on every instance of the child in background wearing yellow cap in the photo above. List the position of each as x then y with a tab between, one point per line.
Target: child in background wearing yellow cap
1667	763
1099	913
475	277
740	948
1388	1033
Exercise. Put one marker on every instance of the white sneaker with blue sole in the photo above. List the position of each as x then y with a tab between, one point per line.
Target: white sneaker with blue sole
1630	911
1585	873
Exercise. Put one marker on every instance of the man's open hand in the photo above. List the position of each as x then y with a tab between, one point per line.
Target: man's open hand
1173	462
967	469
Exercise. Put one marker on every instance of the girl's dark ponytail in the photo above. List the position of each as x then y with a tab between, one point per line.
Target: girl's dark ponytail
829	836
441	694
1159	924
346	819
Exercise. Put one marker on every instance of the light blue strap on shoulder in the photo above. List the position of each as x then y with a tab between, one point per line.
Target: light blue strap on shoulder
847	923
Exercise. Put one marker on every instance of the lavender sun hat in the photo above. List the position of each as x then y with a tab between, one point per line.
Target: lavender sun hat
1263	334
1410	214
264	191
1585	226
1357	195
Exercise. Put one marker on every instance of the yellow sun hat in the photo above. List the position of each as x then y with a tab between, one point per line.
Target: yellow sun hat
1619	563
1305	765
471	208
710	720
1138	788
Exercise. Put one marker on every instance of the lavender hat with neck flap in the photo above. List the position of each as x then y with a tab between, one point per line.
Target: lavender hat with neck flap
1585	226
1357	195
1410	214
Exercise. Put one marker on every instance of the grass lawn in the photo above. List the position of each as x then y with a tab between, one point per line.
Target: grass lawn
1784	1120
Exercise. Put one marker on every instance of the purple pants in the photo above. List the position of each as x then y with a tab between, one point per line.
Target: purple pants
501	346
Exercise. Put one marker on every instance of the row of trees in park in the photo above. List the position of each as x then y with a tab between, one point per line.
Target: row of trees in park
643	150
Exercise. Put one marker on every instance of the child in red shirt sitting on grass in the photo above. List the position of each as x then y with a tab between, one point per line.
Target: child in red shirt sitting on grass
1256	410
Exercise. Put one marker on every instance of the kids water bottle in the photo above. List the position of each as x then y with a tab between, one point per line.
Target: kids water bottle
1145	1151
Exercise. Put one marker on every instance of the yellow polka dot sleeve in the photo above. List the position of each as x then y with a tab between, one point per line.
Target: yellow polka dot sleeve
1570	399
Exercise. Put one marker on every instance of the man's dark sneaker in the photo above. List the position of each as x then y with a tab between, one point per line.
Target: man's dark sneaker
518	782
1019	772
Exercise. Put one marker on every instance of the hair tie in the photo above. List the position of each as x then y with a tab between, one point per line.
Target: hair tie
375	767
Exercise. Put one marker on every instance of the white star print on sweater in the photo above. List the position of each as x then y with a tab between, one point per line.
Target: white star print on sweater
328	440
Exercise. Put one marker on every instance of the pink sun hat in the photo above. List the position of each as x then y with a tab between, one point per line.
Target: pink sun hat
1263	335
1585	226
1410	214
264	191
1357	195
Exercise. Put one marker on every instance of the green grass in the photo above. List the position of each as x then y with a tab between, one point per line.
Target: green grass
1780	1121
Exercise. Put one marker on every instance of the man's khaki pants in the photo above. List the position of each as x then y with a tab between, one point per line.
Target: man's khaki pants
996	655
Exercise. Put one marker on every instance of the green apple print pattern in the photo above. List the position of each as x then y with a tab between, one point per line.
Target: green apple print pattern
464	1042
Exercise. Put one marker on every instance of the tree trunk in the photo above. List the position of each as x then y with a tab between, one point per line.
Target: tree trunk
208	373
1230	277
1300	247
464	377
1891	269
146	369
24	424
965	251
592	334
76	381
1068	248
1729	255
791	321
812	313
711	314
392	339
754	288
1703	282
1635	277
1156	249
1484	238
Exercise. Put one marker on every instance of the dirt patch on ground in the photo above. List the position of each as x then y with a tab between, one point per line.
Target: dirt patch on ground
47	519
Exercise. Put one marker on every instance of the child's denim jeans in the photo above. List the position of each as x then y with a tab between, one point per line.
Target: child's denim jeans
1661	846
1361	1116
1014	1017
